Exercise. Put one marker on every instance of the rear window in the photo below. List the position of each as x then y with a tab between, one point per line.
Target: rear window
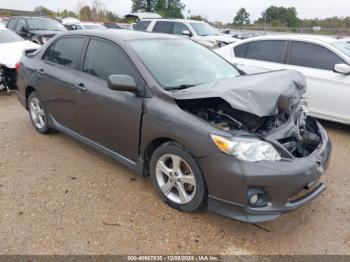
142	25
65	51
267	50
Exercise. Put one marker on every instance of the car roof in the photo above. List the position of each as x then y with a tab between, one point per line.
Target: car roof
316	38
31	17
121	34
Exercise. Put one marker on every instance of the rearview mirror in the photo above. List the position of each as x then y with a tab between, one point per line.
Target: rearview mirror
342	69
122	83
186	32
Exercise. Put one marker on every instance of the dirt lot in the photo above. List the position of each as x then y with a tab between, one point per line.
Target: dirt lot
58	196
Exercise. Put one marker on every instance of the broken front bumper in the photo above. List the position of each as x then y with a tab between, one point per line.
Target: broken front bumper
285	183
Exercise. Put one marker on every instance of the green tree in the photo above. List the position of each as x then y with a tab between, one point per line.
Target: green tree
198	18
45	11
280	15
174	9
143	5
85	13
166	8
242	17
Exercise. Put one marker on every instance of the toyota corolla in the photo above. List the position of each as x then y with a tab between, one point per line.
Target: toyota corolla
166	107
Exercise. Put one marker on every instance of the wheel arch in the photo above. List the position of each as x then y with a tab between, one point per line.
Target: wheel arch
150	148
28	91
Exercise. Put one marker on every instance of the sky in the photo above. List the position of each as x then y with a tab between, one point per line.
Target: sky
215	10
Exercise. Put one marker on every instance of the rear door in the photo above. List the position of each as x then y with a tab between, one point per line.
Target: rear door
260	56
327	92
56	78
110	118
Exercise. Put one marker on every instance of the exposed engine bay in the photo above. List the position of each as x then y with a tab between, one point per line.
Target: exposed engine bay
290	126
266	105
7	78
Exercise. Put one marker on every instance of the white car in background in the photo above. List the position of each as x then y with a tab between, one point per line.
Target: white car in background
325	61
95	26
198	31
12	47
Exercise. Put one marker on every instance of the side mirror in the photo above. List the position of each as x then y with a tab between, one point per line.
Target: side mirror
122	83
23	29
342	69
186	32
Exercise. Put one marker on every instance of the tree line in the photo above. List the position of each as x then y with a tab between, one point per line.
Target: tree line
275	16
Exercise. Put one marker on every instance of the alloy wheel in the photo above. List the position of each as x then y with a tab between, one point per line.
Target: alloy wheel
37	113
175	179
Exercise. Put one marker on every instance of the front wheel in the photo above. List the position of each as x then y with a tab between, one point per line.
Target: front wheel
38	114
177	178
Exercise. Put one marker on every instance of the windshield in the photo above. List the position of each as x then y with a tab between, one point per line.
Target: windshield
7	36
204	29
343	47
44	24
181	63
92	26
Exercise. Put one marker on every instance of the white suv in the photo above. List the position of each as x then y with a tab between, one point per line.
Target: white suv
198	31
325	61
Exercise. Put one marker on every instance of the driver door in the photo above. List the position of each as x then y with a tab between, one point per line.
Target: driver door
107	117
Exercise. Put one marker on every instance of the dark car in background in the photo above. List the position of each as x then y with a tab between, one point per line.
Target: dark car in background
169	108
35	29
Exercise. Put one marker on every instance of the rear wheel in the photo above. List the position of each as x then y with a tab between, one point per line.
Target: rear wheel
177	178
38	113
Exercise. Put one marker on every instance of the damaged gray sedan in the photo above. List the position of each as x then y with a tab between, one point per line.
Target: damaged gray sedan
168	108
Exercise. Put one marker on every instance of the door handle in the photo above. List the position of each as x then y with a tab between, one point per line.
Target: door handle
81	87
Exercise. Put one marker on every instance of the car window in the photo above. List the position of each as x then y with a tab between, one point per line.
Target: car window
21	24
142	25
267	50
163	27
12	23
104	59
314	56
241	50
179	28
66	51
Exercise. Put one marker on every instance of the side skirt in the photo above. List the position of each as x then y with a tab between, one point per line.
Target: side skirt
136	167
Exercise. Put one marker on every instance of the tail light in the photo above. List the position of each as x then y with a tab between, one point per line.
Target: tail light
18	65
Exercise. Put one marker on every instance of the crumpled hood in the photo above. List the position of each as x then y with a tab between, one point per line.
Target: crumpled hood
10	53
259	94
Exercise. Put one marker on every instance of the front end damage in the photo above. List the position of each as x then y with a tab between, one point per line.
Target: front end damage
268	107
7	78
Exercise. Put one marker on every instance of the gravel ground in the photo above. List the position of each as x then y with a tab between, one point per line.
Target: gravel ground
58	196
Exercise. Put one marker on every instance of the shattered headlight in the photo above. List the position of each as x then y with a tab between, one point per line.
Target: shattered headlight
248	149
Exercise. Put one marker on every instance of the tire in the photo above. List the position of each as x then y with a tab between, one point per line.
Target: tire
187	179
38	113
